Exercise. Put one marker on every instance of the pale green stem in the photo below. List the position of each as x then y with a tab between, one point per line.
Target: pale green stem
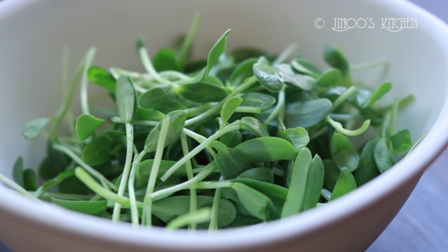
342	98
215	209
147	209
200	216
218	106
244	109
174	74
126	170
144	56
338	126
285	54
197	137
278	108
117	119
18	188
106	183
68	99
199	148
84	81
82	175
186	45
213	184
369	65
393	117
187	184
190	175
132	199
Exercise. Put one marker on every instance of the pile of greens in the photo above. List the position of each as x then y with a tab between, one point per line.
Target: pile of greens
238	138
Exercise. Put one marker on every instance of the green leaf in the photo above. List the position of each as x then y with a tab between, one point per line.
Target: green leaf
176	125
331	174
86	125
345	184
150	114
260	174
303	66
383	156
367	169
216	51
269	77
232	138
336	59
170	208
126	98
401	140
306	183
330	77
34	127
242	71
258	204
307	113
17	172
266	149
88	207
165	59
72	185
275	192
255	126
231	163
303	82
383	89
202	92
54	163
97	152
144	170
343	153
257	100
156	97
29	180
102	78
229	108
297	136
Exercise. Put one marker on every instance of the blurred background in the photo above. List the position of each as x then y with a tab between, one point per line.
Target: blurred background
422	224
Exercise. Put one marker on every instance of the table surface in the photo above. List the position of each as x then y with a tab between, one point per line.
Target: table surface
422	223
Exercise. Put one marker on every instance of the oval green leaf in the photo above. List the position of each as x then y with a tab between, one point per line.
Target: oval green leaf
169	208
86	125
126	98
97	151
266	149
345	184
156	97
343	153
102	78
269	77
88	207
202	92
258	204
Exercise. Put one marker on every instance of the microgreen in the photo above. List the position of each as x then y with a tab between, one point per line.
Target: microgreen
234	139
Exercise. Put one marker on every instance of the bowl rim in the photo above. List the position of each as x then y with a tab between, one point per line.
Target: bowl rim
87	227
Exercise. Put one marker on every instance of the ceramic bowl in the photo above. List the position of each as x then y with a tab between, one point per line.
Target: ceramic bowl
34	34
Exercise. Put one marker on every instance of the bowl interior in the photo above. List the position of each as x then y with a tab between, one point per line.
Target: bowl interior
36	33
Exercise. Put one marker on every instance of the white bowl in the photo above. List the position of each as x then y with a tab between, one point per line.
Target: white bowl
34	33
